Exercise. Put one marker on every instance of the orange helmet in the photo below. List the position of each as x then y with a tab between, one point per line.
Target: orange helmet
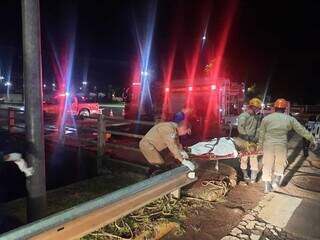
255	102
280	103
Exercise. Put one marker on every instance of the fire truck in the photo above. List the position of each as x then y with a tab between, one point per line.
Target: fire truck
214	105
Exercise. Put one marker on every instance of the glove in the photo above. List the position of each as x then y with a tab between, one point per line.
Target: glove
314	145
22	165
20	162
259	149
184	154
253	139
244	137
189	164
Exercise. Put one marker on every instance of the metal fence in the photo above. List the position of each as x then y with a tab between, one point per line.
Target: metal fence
305	108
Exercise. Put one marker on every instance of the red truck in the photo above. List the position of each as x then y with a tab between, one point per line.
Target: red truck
78	106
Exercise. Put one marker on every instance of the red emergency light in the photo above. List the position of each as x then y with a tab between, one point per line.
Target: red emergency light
136	84
167	89
190	89
213	87
66	94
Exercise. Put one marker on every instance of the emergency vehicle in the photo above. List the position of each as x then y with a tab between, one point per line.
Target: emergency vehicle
213	104
79	107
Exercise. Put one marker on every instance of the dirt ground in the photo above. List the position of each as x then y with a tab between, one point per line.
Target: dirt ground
215	223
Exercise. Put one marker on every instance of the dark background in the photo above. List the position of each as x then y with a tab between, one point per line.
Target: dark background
268	39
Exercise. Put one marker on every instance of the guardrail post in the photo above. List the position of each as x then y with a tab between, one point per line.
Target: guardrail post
11	119
101	142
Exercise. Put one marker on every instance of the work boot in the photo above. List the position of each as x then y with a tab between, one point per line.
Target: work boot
245	175
253	176
267	187
276	181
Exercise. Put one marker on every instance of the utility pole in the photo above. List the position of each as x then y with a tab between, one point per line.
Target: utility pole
32	75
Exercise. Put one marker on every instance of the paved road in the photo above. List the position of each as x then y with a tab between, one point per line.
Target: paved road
291	212
116	110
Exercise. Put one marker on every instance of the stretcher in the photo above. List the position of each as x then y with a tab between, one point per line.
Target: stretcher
212	157
211	151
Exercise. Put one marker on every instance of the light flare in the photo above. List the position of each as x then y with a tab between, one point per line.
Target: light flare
212	118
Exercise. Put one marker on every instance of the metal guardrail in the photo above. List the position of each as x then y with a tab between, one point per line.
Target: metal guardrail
12	116
124	134
99	129
121	124
12	109
122	147
105	105
305	108
148	123
80	220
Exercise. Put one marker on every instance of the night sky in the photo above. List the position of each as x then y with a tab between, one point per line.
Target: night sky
279	40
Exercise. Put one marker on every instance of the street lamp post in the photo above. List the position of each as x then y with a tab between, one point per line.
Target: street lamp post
84	86
8	84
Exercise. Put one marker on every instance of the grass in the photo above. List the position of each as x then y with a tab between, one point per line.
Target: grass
74	194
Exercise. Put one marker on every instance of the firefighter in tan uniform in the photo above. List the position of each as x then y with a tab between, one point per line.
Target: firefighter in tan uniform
273	139
165	135
246	142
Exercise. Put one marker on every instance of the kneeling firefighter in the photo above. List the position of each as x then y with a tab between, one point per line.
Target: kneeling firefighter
161	136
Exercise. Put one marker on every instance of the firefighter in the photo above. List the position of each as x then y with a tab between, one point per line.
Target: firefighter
273	140
186	114
182	115
246	142
161	136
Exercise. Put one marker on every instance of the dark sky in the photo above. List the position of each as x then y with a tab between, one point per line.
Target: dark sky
279	37
268	39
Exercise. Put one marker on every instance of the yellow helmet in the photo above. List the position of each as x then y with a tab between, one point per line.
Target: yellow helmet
255	102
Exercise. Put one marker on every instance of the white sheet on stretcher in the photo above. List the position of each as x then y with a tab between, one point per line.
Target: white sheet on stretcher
223	148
